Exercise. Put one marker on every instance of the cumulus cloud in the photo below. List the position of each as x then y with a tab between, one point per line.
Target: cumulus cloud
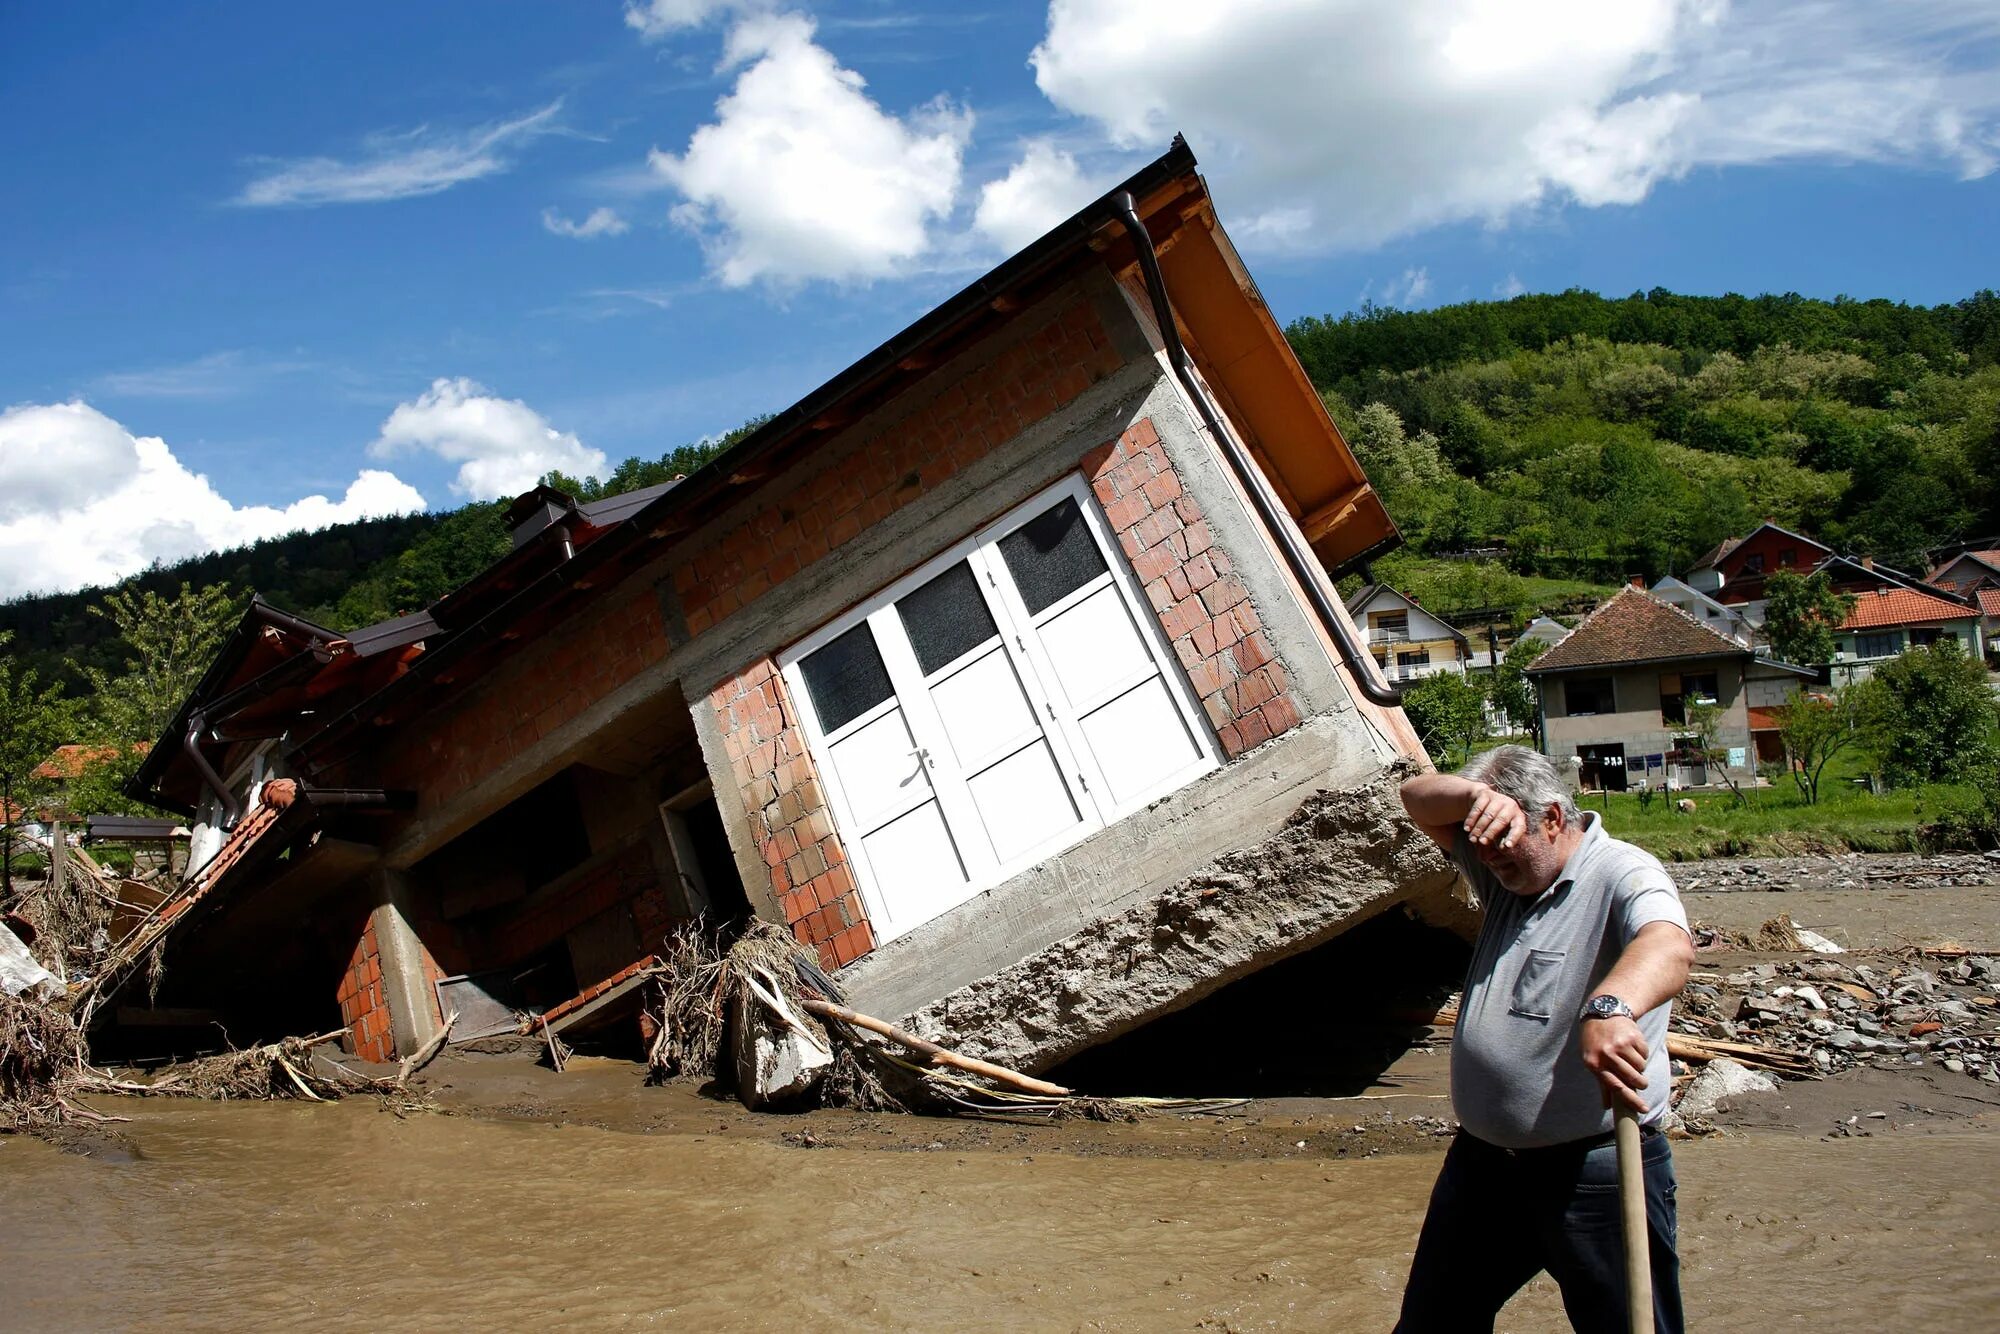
802	175
1345	124
398	166
83	501
1405	293
502	445
1042	189
601	222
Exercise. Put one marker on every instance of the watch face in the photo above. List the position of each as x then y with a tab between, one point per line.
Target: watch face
1604	1006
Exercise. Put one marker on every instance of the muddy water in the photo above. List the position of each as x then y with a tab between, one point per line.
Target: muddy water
241	1216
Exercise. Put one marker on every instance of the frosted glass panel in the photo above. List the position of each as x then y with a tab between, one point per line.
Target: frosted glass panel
1093	646
946	618
846	678
1138	740
1052	554
879	769
983	709
917	869
1022	801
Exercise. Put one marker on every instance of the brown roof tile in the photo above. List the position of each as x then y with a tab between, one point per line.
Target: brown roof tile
1901	606
1632	627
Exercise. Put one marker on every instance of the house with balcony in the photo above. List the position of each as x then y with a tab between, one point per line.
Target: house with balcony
1883	623
1405	640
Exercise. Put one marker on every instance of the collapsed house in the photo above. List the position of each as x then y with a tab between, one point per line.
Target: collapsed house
1004	669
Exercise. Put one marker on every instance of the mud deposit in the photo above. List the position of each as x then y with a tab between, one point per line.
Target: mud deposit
253	1216
528	1200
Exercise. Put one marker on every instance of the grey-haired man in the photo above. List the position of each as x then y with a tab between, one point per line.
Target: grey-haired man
1564	1016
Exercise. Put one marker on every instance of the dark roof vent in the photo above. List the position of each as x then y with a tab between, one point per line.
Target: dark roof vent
532	511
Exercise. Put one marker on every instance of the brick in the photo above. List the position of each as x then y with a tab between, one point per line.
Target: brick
1220	715
1253	729
1200	572
1252	652
1163	490
1280	715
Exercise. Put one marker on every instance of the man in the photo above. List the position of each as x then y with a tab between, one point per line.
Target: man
1564	1016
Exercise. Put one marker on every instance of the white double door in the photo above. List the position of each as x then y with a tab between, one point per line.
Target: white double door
1000	703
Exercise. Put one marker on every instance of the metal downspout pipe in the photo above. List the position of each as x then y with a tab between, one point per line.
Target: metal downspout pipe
197	724
1305	566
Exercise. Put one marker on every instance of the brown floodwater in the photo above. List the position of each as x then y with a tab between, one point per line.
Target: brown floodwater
236	1216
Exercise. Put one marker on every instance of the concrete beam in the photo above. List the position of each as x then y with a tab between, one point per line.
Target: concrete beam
1343	858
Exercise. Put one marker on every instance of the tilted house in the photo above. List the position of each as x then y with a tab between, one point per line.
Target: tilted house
1615	693
964	664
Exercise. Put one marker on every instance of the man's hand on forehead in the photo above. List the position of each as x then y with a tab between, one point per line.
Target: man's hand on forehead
1495	820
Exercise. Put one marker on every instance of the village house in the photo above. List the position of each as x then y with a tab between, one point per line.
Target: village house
1405	640
1733	573
1975	576
1713	613
1615	692
959	668
1881	623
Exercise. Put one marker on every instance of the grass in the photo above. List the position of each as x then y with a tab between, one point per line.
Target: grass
1775	821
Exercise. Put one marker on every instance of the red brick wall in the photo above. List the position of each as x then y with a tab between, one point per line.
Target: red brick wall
1190	581
362	1006
572	668
810	878
627	874
825	503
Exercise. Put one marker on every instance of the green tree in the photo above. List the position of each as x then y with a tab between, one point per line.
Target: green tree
1814	729
1704	721
34	720
1513	693
1801	614
169	643
1932	717
1449	714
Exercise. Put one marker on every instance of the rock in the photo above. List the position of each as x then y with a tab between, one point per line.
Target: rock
1811	996
1815	942
774	1062
1721	1081
1953	1064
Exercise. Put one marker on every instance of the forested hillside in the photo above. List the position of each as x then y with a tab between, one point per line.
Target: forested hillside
1587	438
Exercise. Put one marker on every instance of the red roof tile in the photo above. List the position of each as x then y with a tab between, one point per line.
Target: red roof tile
1879	607
1989	601
1635	626
70	761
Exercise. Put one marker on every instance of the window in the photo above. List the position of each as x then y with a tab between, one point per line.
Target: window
1005	700
1788	557
1883	644
1588	695
1679	689
1754	563
1389	624
1931	635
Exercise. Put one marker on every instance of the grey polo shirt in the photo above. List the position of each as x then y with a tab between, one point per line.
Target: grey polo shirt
1517	1077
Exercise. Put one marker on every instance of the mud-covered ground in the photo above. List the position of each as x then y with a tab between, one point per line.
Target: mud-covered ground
524	1198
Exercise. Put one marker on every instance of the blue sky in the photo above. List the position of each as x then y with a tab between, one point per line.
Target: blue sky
268	267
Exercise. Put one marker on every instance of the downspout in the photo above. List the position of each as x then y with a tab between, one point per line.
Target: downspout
1304	565
232	809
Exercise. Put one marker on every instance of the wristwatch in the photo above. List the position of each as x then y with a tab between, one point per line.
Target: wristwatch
1606	1006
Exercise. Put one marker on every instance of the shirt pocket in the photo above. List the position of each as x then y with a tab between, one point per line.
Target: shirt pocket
1536	988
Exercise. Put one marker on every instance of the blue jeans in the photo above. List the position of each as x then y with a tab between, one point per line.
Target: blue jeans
1499	1217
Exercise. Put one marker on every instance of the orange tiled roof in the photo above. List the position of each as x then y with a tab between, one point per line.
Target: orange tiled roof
1989	601
1880	607
1635	626
70	761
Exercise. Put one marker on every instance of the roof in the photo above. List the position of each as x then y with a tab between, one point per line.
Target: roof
1635	627
1989	601
71	761
1370	592
1880	607
1713	556
1720	552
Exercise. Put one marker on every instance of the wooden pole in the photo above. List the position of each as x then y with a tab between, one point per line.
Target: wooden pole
1638	1244
936	1054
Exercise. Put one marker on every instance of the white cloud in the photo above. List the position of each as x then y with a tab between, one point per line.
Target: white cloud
1042	189
654	19
83	501
502	445
601	222
1511	288
1405	293
802	176
1345	124
399	166
215	375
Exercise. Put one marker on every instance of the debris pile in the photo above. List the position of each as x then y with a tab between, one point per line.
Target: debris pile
1822	1015
1853	870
